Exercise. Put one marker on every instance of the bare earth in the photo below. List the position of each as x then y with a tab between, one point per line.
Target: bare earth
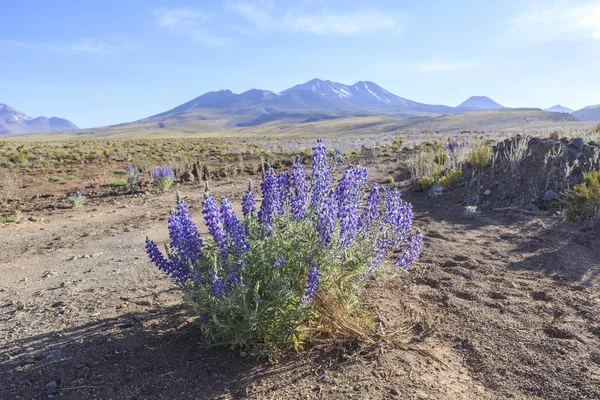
509	306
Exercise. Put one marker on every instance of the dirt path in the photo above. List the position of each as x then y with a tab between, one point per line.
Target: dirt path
509	306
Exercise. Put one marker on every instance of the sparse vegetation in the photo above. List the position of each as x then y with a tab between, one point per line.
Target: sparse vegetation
162	177
77	199
585	199
515	151
450	178
479	157
118	182
426	163
56	179
10	186
12	218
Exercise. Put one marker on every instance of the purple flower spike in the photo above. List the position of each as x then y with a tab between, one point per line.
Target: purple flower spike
284	184
270	193
327	219
412	251
163	172
348	193
371	210
320	178
312	284
249	201
214	222
233	227
218	286
185	238
299	195
173	267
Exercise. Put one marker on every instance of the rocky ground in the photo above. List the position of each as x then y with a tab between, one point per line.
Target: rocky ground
507	304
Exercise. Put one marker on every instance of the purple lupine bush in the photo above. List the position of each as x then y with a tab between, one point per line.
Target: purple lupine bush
133	178
77	199
260	281
162	177
457	152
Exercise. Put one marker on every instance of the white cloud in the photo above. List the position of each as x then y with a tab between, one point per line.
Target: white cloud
433	65
557	21
191	23
91	46
266	16
343	24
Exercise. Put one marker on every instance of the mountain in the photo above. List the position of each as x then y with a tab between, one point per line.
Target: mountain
589	113
364	95
13	121
559	108
480	103
305	102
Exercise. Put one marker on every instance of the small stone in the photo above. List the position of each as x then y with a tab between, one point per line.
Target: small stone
29	349
578	143
530	207
83	372
549	196
435	191
487	192
52	388
187	177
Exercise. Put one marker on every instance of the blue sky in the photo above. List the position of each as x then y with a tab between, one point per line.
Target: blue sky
112	61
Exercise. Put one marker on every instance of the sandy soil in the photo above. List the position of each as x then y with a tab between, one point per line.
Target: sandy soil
508	305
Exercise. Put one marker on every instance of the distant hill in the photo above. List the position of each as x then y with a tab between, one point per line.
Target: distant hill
480	103
13	121
316	99
559	108
589	113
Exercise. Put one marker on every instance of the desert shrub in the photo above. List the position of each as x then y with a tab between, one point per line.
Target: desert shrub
162	177
585	199
456	153
11	218
479	157
77	199
133	178
515	151
424	164
118	182
296	267
56	179
596	128
450	178
388	179
427	182
10	186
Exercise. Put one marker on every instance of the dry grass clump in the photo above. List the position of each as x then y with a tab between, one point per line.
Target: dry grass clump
9	186
480	157
427	163
515	151
585	199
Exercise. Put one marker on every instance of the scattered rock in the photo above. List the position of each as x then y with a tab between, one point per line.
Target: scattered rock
51	388
578	143
187	177
530	207
83	372
487	192
549	196
435	191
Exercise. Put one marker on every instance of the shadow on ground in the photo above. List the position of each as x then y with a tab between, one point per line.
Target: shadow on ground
130	357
